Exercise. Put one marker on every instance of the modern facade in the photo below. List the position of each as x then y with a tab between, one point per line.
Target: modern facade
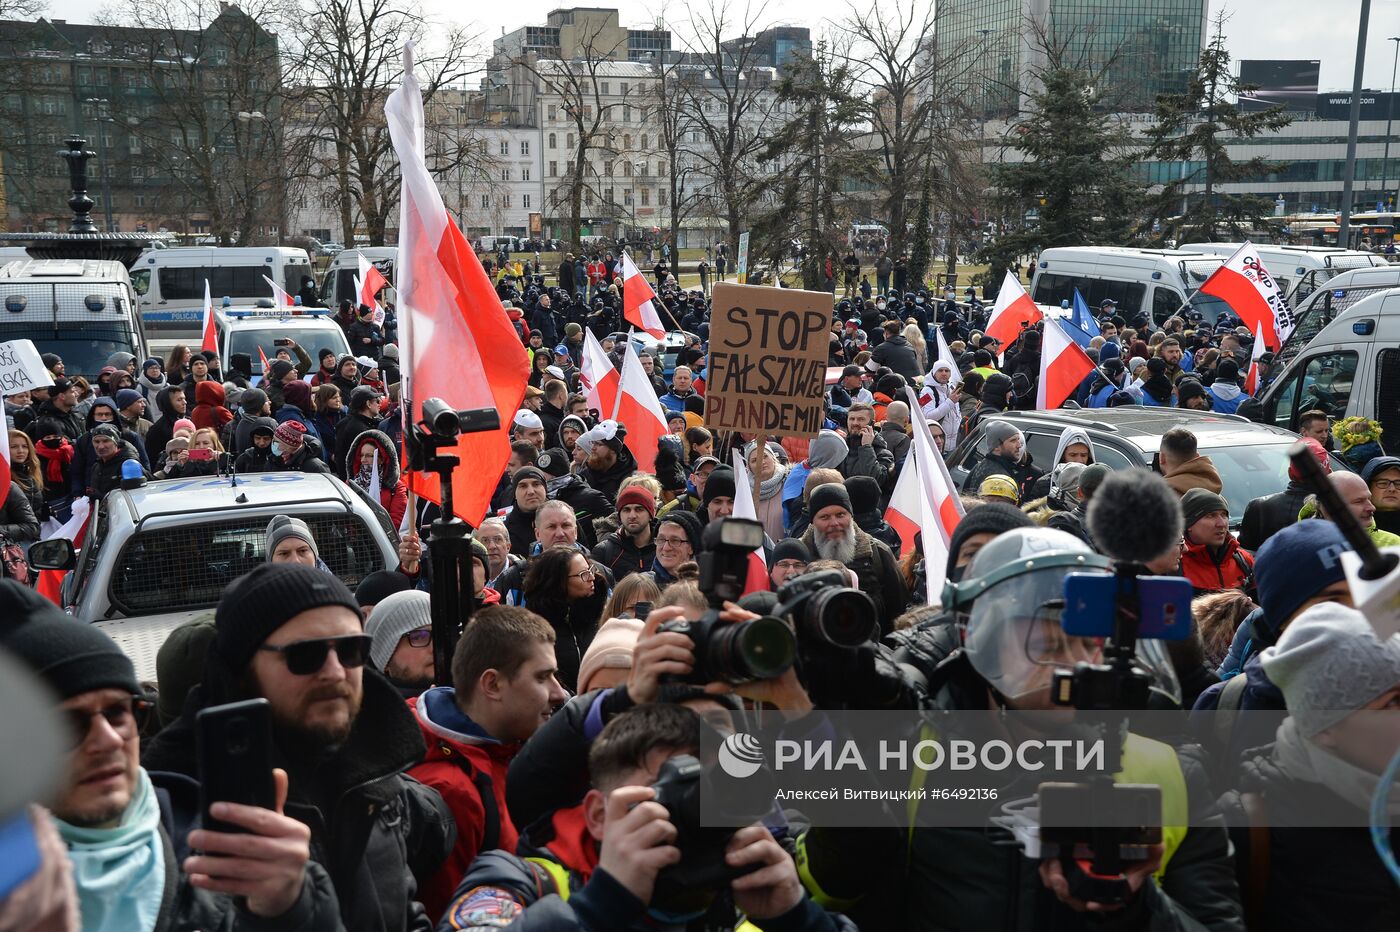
996	47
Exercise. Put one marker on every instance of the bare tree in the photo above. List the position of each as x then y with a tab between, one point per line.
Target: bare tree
674	120
349	59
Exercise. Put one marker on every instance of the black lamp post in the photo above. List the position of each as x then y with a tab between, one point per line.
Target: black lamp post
77	158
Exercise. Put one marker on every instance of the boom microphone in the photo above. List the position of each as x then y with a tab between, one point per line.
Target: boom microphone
1134	516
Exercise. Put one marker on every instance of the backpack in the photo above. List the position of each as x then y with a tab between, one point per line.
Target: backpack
12	558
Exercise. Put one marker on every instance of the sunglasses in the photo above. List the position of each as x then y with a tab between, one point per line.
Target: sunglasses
127	717
304	658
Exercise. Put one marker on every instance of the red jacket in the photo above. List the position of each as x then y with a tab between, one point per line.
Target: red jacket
1233	571
209	410
459	766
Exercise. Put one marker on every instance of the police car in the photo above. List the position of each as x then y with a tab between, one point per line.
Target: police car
157	554
263	330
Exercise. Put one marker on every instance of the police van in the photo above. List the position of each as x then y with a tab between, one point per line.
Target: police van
264	329
339	281
170	282
82	309
1155	282
1298	270
160	553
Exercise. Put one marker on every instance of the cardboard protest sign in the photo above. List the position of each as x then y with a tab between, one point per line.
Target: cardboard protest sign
767	364
21	368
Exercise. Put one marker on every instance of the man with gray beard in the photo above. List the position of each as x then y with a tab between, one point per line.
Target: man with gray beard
835	536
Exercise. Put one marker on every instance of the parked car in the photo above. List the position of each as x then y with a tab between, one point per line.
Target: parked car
1252	459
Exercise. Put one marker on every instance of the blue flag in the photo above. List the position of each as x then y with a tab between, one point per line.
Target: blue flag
1081	317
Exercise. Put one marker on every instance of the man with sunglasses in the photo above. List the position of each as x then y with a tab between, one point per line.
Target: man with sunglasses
293	635
128	832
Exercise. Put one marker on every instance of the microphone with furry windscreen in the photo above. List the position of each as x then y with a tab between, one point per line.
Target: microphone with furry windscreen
1135	517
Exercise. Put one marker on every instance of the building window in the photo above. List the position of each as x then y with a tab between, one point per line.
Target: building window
505	200
607	195
624	88
626	113
140	200
607	169
525	201
524	147
570	138
627	197
553	112
505	173
485	202
524	174
588	112
644	142
646	169
695	136
133	145
588	197
627	169
553	141
505	147
646	196
627	142
661	197
554	169
606	88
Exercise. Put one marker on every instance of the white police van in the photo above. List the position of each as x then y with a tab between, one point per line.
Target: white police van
82	309
1156	282
159	554
265	327
170	282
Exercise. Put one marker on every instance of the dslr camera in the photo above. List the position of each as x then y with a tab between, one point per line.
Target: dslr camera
745	651
823	609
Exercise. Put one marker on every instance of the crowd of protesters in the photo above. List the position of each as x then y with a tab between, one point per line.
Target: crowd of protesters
514	790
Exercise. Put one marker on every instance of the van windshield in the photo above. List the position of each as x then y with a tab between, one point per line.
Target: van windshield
83	348
311	339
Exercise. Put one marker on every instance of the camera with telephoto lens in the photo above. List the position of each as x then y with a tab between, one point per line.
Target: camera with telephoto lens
689	885
744	651
823	608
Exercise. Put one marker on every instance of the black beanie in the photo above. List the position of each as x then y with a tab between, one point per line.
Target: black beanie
991	518
1187	389
257	604
864	493
687	522
527	472
72	657
1227	371
791	548
824	496
554	462
720	483
379	585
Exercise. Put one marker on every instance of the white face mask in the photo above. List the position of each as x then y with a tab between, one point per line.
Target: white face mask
276	448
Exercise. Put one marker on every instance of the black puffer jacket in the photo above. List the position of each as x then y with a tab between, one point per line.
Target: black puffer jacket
1267	515
896	353
17	519
607	481
372	827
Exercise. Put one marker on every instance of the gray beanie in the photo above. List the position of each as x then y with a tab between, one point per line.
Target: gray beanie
1329	663
391	619
1064	480
998	432
281	527
828	451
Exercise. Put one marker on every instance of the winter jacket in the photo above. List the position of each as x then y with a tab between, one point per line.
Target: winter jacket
393	492
163	429
467	767
896	440
1267	515
372	828
1225	397
1040	488
1228	745
607	481
620	554
896	353
1198	473
875	460
874	524
941	407
574	625
993	464
70	421
365	338
877	572
17	519
1210	569
588	504
347	432
255	460
105	476
209	410
84	456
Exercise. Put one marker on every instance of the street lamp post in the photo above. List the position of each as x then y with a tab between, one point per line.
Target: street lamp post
1349	178
104	117
1389	112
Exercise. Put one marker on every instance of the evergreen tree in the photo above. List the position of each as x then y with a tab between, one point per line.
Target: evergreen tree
1194	128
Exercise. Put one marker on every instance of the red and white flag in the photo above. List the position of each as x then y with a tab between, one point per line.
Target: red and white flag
940	508
598	376
209	339
368	283
905	511
1063	365
1013	311
279	296
74	529
1256	352
1243	283
456	342
638	300
5	472
639	410
757	579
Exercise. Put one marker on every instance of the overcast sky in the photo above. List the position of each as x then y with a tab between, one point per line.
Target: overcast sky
1322	29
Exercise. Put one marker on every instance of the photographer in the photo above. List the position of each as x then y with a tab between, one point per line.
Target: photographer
596	865
972	877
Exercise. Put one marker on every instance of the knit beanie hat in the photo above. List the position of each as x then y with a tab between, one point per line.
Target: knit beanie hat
1187	389
553	462
69	655
1227	371
574	421
991	518
126	397
282	527
1296	564
1319	453
391	619
1198	503
791	548
526	472
261	426
183	423
612	648
379	585
998	432
864	493
824	496
687	522
180	665
278	370
1329	663
639	495
1092	477
720	484
290	434
252	400
827	451
299	394
263	600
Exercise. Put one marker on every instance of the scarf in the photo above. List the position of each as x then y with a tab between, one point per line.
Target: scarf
119	872
1303	760
55	461
771	486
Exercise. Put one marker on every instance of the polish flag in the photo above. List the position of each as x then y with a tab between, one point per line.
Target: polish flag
940	508
757	579
74	529
263	356
1014	310
905	513
1251	381
639	410
456	342
598	376
1063	366
210	339
372	281
1244	284
279	296
638	300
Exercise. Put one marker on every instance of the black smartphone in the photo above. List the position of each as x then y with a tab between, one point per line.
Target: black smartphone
641	610
234	747
282	341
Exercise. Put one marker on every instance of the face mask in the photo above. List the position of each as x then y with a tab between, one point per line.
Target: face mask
276	448
881	305
53	443
918	300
